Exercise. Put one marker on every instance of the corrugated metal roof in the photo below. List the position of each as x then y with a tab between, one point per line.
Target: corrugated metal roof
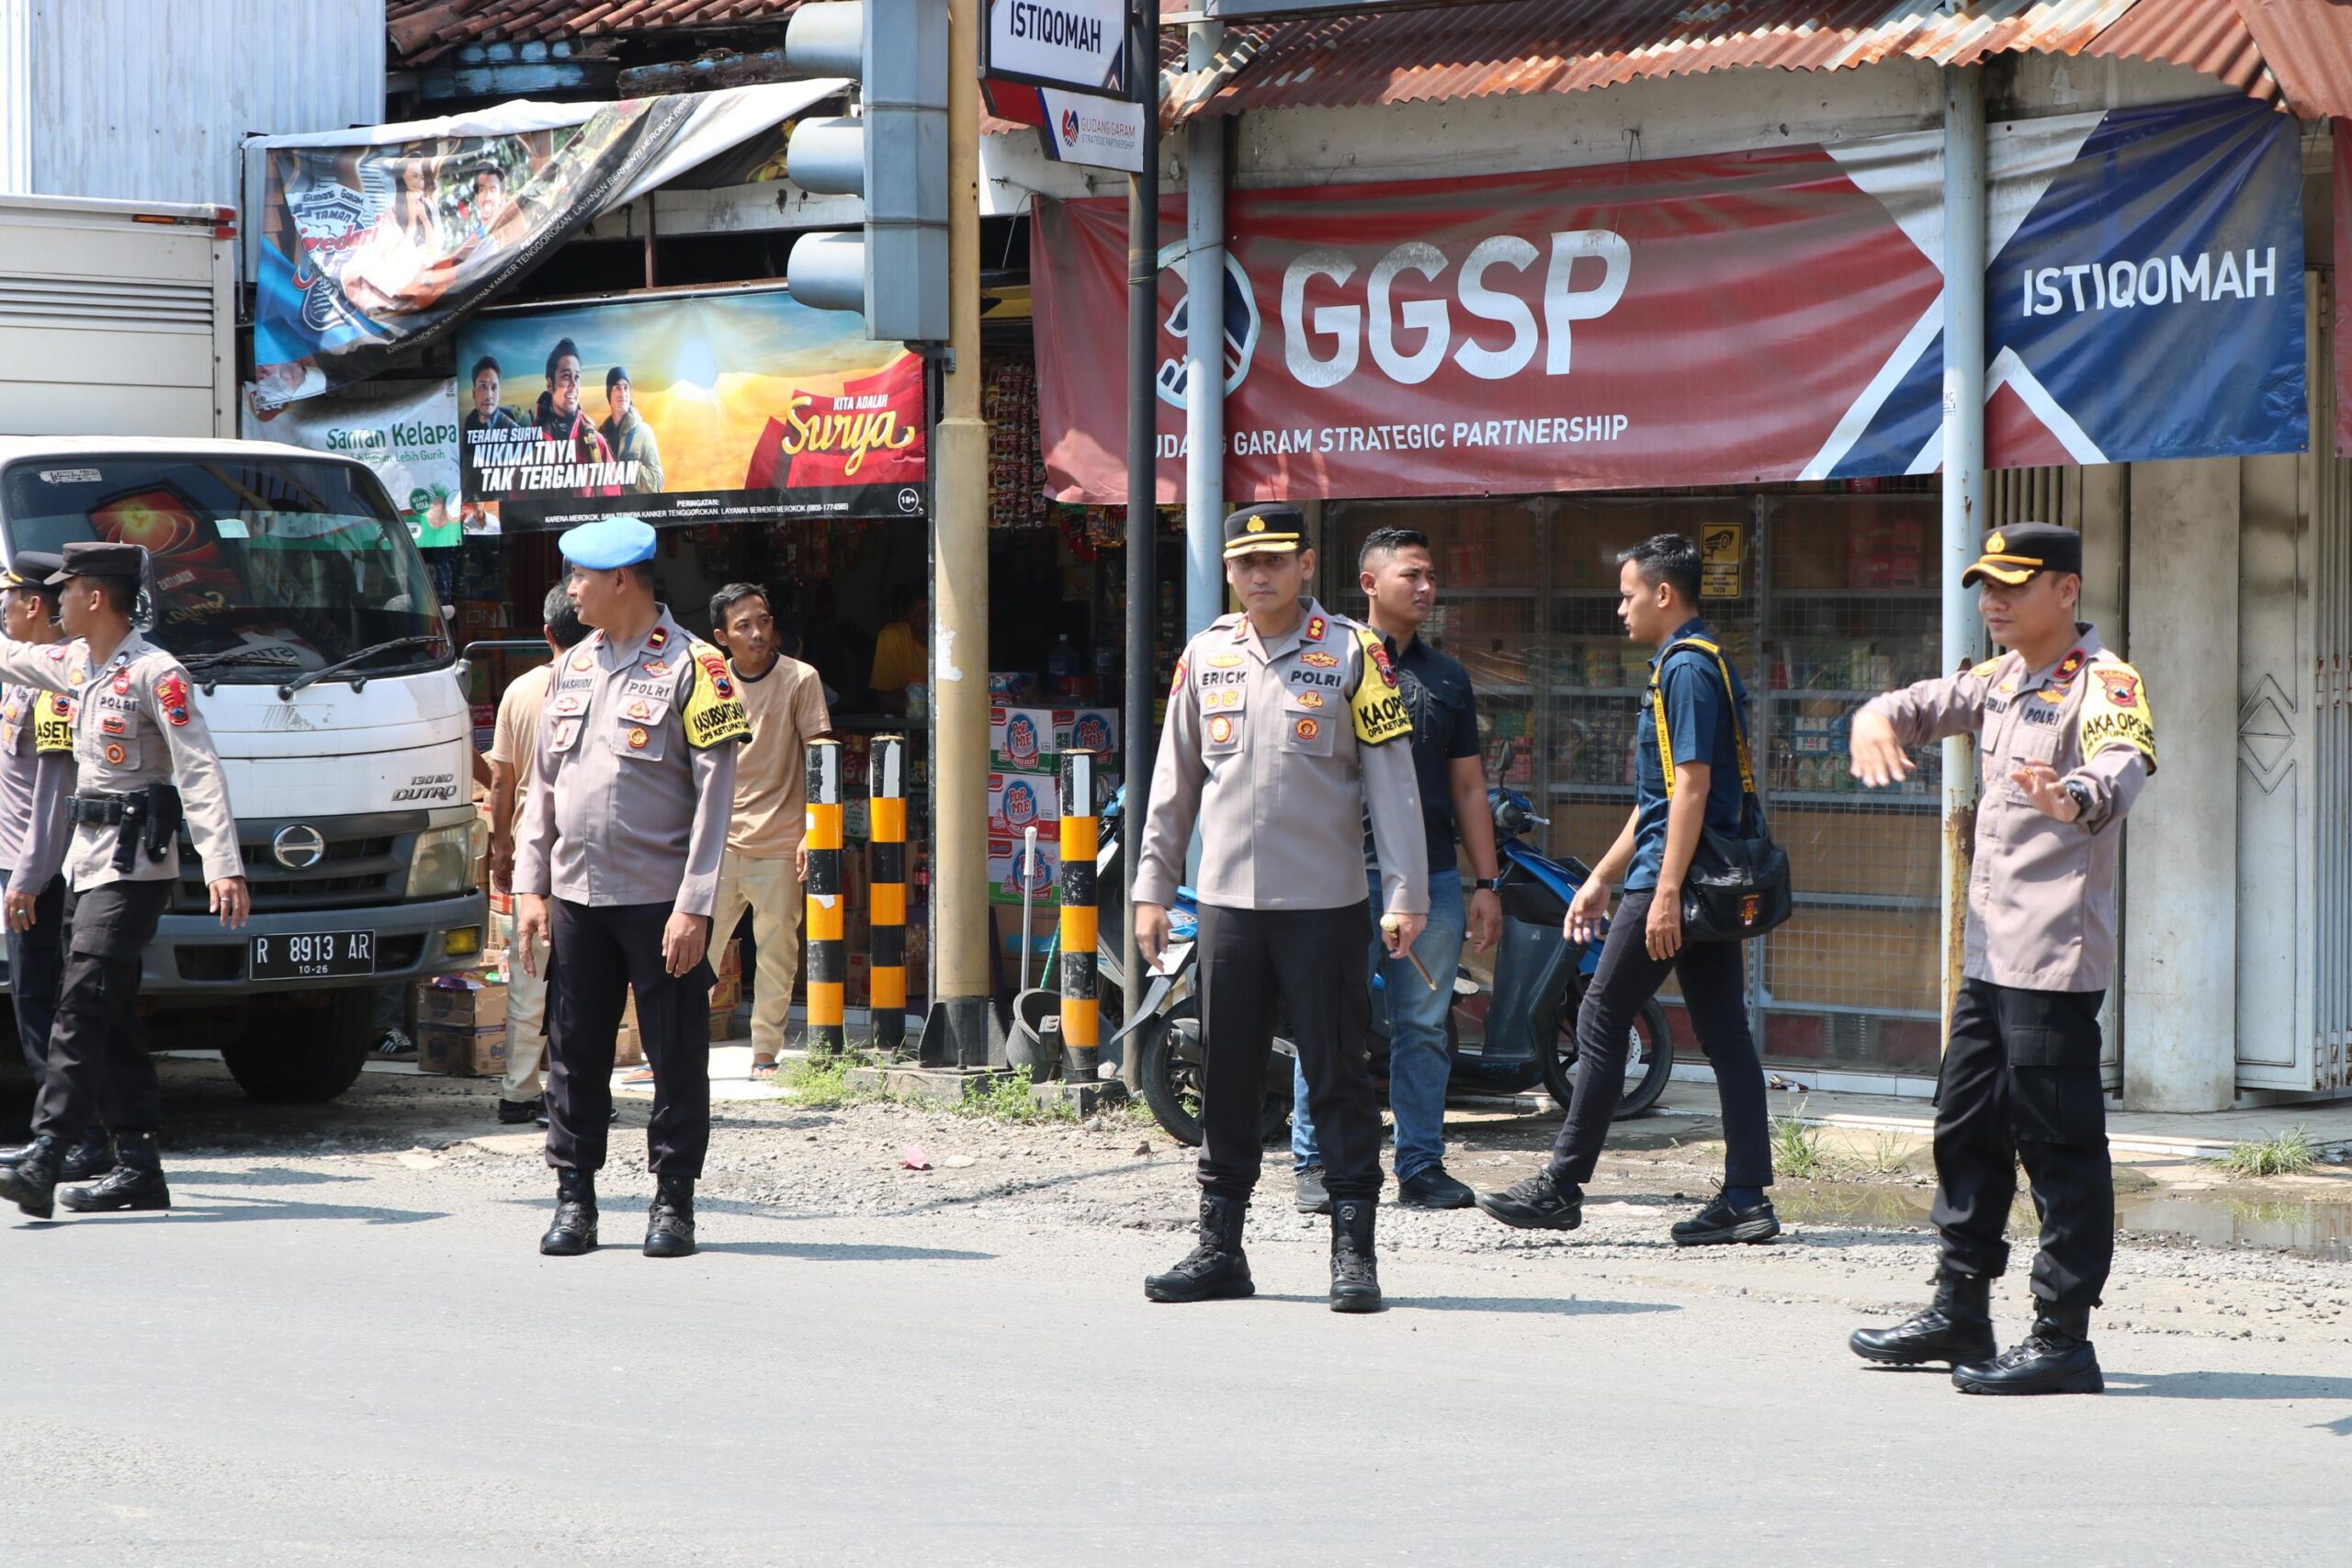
2296	52
424	30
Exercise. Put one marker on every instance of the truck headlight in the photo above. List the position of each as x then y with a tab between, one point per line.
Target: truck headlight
444	862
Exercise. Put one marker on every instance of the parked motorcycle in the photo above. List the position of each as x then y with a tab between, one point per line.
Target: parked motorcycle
1529	1013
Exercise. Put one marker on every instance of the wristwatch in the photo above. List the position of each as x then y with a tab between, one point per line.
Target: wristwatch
1487	885
2081	796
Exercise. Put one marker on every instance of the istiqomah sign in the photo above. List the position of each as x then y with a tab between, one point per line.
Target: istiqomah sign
694	406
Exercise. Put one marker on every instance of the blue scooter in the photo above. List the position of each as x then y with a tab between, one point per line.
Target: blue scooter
1531	1012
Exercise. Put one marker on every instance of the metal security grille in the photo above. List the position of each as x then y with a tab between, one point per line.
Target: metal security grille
2331	745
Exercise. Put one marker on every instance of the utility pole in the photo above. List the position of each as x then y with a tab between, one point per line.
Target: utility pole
1143	471
960	927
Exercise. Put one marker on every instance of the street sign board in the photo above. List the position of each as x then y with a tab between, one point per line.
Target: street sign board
1081	128
1078	45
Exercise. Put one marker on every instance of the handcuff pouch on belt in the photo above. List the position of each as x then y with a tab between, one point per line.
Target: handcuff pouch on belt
149	819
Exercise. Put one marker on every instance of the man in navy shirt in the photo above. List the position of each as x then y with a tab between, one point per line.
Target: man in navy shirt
1400	581
1702	704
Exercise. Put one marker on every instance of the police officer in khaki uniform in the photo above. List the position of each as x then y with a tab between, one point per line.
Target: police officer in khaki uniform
1285	728
35	781
2064	742
623	829
136	734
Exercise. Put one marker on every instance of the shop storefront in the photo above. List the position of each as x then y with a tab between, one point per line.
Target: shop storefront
1537	368
1822	598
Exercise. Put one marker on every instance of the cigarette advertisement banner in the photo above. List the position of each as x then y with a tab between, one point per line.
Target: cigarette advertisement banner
691	407
378	241
407	433
1732	318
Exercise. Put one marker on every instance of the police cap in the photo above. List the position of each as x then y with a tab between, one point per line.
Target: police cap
31	568
92	557
2016	554
1270	530
602	545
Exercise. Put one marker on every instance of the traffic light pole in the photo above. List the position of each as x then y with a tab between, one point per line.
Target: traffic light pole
960	927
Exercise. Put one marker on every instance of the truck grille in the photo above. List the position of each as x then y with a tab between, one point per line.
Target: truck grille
366	862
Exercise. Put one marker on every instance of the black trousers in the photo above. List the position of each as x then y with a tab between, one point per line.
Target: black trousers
98	1066
1715	992
2021	1082
1315	963
36	967
598	953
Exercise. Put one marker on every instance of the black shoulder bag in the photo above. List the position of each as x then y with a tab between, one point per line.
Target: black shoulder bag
1739	886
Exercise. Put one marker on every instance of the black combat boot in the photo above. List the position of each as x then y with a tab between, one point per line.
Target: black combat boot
31	1182
670	1220
135	1182
574	1230
93	1155
2056	1358
1356	1271
1957	1328
1216	1268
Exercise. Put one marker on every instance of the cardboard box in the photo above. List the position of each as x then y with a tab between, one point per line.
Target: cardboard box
1090	729
727	993
462	1053
731	962
1043	875
1021	740
723	1024
1023	800
629	1047
472	1004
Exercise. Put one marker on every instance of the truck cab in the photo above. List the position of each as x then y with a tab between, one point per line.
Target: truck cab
324	666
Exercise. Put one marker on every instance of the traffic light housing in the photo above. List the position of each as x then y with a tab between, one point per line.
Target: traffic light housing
894	154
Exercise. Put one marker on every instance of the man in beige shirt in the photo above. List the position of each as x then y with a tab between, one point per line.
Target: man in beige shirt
514	742
762	868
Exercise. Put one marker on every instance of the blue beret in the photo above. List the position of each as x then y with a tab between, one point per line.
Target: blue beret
615	541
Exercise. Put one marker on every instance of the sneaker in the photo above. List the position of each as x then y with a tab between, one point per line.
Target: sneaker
1311	1195
516	1112
1534	1204
1434	1189
1720	1224
395	1046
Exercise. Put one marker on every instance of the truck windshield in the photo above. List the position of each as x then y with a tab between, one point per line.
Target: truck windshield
260	569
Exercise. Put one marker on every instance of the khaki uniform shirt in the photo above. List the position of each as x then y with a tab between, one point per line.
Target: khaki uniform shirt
135	723
1279	750
36	777
787	710
634	778
514	738
2041	895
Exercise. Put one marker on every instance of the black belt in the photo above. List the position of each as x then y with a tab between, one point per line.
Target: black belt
102	809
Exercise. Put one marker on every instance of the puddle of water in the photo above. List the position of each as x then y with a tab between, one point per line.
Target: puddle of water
2307	1227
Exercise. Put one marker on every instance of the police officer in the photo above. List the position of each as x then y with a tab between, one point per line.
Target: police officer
136	733
623	829
2065	743
1285	727
36	778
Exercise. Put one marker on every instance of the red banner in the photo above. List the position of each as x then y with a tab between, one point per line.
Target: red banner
2343	286
1701	321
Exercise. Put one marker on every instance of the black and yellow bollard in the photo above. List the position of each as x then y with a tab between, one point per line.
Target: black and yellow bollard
828	953
1080	836
887	874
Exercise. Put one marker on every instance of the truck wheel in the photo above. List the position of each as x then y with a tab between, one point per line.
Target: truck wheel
313	1057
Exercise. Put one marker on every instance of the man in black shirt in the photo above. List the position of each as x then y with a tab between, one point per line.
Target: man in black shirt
1400	582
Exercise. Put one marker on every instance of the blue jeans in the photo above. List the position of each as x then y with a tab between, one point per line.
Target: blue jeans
1419	1062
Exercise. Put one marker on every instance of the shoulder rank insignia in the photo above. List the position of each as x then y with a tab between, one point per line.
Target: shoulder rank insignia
658	639
1315	628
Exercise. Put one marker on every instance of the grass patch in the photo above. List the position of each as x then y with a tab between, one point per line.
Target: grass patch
1889	1155
821	1082
1007	1101
2290	1153
1796	1146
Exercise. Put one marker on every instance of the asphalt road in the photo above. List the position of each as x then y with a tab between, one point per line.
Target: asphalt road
350	1358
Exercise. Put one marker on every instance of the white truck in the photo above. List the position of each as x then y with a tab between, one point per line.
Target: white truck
289	585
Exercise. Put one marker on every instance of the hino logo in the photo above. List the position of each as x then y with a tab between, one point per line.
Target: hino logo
299	846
